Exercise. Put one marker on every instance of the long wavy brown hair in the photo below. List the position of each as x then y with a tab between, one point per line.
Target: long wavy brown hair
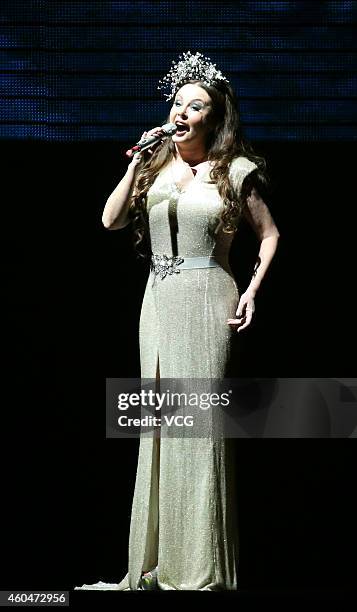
224	142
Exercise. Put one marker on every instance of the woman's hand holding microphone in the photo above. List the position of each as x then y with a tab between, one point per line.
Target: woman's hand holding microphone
138	156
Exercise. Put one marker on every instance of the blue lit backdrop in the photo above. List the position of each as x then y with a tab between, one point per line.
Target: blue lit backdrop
88	70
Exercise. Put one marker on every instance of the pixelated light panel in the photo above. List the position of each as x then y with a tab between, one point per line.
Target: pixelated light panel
88	70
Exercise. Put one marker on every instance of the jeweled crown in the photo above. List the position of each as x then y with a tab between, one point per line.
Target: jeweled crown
190	67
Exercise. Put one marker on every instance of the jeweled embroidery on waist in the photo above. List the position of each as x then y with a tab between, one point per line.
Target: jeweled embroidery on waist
165	264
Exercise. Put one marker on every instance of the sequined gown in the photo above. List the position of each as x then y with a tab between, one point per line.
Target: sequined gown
184	513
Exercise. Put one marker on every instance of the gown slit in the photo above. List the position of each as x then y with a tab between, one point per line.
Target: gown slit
150	560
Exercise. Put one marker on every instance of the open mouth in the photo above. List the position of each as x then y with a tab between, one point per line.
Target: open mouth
182	129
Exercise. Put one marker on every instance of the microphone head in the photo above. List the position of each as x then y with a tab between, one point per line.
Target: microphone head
169	128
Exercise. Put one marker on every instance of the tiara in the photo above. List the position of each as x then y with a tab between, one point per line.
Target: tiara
190	67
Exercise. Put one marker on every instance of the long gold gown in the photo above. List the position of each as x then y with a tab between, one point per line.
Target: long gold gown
184	512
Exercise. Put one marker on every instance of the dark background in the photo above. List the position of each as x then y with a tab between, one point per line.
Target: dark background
74	291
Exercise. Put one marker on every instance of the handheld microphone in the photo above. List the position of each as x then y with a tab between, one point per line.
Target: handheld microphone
169	130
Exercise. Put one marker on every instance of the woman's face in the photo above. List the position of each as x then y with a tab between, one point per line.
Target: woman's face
190	111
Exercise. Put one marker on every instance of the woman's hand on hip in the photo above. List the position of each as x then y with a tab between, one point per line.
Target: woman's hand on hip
244	312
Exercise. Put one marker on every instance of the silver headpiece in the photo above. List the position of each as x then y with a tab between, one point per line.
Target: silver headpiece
190	67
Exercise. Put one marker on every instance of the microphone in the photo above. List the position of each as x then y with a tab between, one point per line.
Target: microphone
145	143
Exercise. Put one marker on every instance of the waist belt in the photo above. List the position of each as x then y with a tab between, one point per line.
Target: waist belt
164	264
